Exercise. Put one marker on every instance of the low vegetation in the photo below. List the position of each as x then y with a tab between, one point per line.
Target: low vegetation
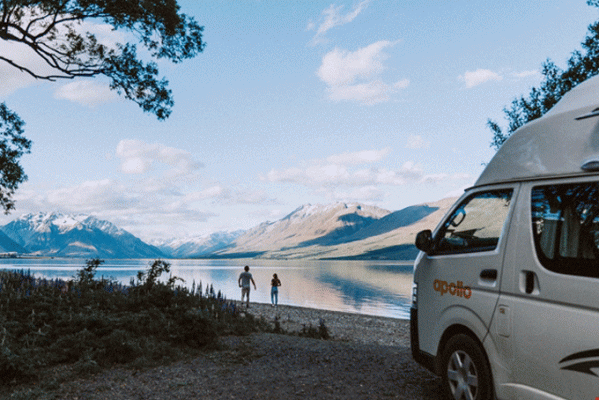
91	323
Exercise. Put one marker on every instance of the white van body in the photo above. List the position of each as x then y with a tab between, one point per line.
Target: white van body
506	289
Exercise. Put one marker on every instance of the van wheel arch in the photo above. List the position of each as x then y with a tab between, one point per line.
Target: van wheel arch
451	333
448	334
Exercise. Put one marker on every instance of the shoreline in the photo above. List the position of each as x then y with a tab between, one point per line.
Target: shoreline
366	357
344	326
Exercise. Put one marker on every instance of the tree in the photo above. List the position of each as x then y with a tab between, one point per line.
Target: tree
12	146
60	34
556	82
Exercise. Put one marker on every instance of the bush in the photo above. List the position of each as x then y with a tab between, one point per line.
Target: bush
321	333
92	323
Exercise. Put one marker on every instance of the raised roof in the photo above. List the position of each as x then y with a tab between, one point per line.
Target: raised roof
554	145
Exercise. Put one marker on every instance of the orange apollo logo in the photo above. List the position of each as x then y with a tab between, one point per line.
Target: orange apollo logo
454	289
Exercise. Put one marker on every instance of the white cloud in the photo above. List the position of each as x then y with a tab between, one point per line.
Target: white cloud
359	157
14	79
365	193
417	142
356	76
138	157
402	84
435	178
126	205
526	74
86	92
367	93
342	67
478	77
332	17
90	196
336	171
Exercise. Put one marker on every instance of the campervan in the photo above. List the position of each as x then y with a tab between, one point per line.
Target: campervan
505	300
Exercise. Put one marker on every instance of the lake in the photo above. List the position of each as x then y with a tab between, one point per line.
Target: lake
381	288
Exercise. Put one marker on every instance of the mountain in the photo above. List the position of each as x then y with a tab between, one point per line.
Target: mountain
306	226
340	231
53	234
197	246
334	231
7	245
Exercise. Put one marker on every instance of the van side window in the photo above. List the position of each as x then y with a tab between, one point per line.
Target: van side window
565	225
476	225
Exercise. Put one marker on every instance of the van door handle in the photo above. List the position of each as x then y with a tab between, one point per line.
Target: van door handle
489	274
529	283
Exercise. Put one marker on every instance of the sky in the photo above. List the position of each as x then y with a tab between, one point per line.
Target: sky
292	102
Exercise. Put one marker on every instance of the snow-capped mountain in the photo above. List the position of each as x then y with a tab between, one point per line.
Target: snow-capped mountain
53	234
337	231
197	246
308	224
340	230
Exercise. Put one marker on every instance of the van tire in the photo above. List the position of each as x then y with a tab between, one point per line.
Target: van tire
465	372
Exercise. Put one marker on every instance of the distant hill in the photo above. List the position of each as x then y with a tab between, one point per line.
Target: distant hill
196	247
339	231
52	234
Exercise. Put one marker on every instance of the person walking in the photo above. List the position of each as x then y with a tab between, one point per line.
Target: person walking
244	283
274	290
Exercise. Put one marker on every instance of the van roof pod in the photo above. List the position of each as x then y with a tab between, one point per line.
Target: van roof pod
565	141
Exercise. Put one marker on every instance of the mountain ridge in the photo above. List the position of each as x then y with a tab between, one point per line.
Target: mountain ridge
59	235
330	231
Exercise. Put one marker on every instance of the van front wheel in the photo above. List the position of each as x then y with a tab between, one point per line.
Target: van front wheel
466	374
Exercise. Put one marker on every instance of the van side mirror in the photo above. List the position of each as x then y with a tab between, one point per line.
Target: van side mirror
424	240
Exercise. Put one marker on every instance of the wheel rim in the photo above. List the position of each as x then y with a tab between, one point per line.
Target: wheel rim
462	376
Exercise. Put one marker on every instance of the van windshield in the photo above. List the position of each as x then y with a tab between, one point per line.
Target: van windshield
476	225
565	224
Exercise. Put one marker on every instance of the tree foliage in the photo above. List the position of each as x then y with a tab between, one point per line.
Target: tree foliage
62	36
12	146
555	83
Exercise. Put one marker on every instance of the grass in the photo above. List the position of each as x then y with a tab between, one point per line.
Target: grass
92	324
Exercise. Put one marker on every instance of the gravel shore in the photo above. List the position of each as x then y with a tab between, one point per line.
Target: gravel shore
366	358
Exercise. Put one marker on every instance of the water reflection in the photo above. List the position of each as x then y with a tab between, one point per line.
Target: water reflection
371	288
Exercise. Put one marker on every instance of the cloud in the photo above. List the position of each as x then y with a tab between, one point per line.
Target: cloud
417	142
138	157
332	17
365	193
359	157
526	74
14	79
367	93
478	77
86	92
360	175
435	178
91	196
356	76
126	205
342	67
337	170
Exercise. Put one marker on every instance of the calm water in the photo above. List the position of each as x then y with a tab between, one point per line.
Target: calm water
364	287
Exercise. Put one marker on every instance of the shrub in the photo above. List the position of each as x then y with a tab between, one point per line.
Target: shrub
93	323
321	333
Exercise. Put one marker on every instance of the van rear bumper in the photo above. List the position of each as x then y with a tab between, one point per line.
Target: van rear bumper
421	357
